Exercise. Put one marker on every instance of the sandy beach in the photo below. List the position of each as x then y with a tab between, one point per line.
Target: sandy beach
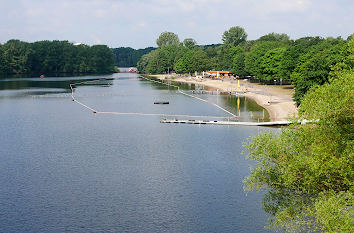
277	100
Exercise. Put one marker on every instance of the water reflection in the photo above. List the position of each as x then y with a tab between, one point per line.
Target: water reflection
63	167
245	108
22	86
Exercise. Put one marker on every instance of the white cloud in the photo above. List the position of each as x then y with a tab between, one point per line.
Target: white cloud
286	5
138	23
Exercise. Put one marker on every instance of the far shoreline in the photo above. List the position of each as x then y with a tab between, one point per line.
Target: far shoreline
277	100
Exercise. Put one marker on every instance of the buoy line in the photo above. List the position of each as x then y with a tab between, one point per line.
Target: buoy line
72	87
158	114
182	92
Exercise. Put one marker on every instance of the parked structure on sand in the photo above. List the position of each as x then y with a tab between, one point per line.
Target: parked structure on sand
219	73
132	70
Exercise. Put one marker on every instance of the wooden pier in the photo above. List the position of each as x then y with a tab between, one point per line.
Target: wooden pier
216	92
205	122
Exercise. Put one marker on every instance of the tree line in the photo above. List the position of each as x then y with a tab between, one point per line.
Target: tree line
304	62
49	57
129	57
307	169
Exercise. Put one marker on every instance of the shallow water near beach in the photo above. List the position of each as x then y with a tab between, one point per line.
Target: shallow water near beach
65	169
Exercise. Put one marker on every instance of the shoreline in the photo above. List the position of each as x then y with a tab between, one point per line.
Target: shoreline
277	100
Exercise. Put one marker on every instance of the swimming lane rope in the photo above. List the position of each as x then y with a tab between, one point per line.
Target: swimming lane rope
183	93
73	85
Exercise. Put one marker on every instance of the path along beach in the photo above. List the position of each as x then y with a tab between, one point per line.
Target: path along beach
276	99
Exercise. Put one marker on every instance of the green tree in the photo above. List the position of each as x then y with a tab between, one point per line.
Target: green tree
271	63
3	64
81	61
314	67
44	57
189	43
183	65
16	54
211	50
294	51
101	59
143	62
157	63
347	62
275	37
238	65
193	60
254	58
200	61
307	170
126	56
350	37
224	56
180	52
167	38
234	36
162	59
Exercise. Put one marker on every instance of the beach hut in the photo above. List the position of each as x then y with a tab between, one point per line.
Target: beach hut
217	73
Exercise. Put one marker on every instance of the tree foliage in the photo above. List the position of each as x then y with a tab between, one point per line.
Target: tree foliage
234	36
167	38
270	65
143	62
275	37
294	51
238	63
305	62
308	169
254	58
40	57
224	57
127	57
313	68
189	43
193	60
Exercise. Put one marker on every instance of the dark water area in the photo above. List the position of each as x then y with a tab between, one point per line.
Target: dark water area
65	169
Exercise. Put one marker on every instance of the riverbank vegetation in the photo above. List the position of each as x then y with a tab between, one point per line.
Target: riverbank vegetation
54	57
129	57
307	170
304	62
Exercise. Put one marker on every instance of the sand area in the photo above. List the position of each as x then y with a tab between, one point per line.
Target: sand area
276	99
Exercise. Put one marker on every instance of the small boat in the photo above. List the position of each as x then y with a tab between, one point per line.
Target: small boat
161	102
132	70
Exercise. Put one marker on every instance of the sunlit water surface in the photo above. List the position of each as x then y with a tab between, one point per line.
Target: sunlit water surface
65	169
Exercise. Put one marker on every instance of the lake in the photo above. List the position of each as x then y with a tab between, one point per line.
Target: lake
65	169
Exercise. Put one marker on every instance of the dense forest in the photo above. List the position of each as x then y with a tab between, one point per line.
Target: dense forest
54	57
305	62
307	169
128	57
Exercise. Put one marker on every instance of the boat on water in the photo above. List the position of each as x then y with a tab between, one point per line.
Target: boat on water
132	70
161	102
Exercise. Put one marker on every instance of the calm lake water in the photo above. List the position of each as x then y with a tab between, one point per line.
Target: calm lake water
65	169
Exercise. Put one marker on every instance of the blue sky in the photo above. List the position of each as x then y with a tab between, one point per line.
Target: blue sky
137	23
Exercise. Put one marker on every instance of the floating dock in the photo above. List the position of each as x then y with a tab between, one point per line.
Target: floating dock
216	92
161	102
205	122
